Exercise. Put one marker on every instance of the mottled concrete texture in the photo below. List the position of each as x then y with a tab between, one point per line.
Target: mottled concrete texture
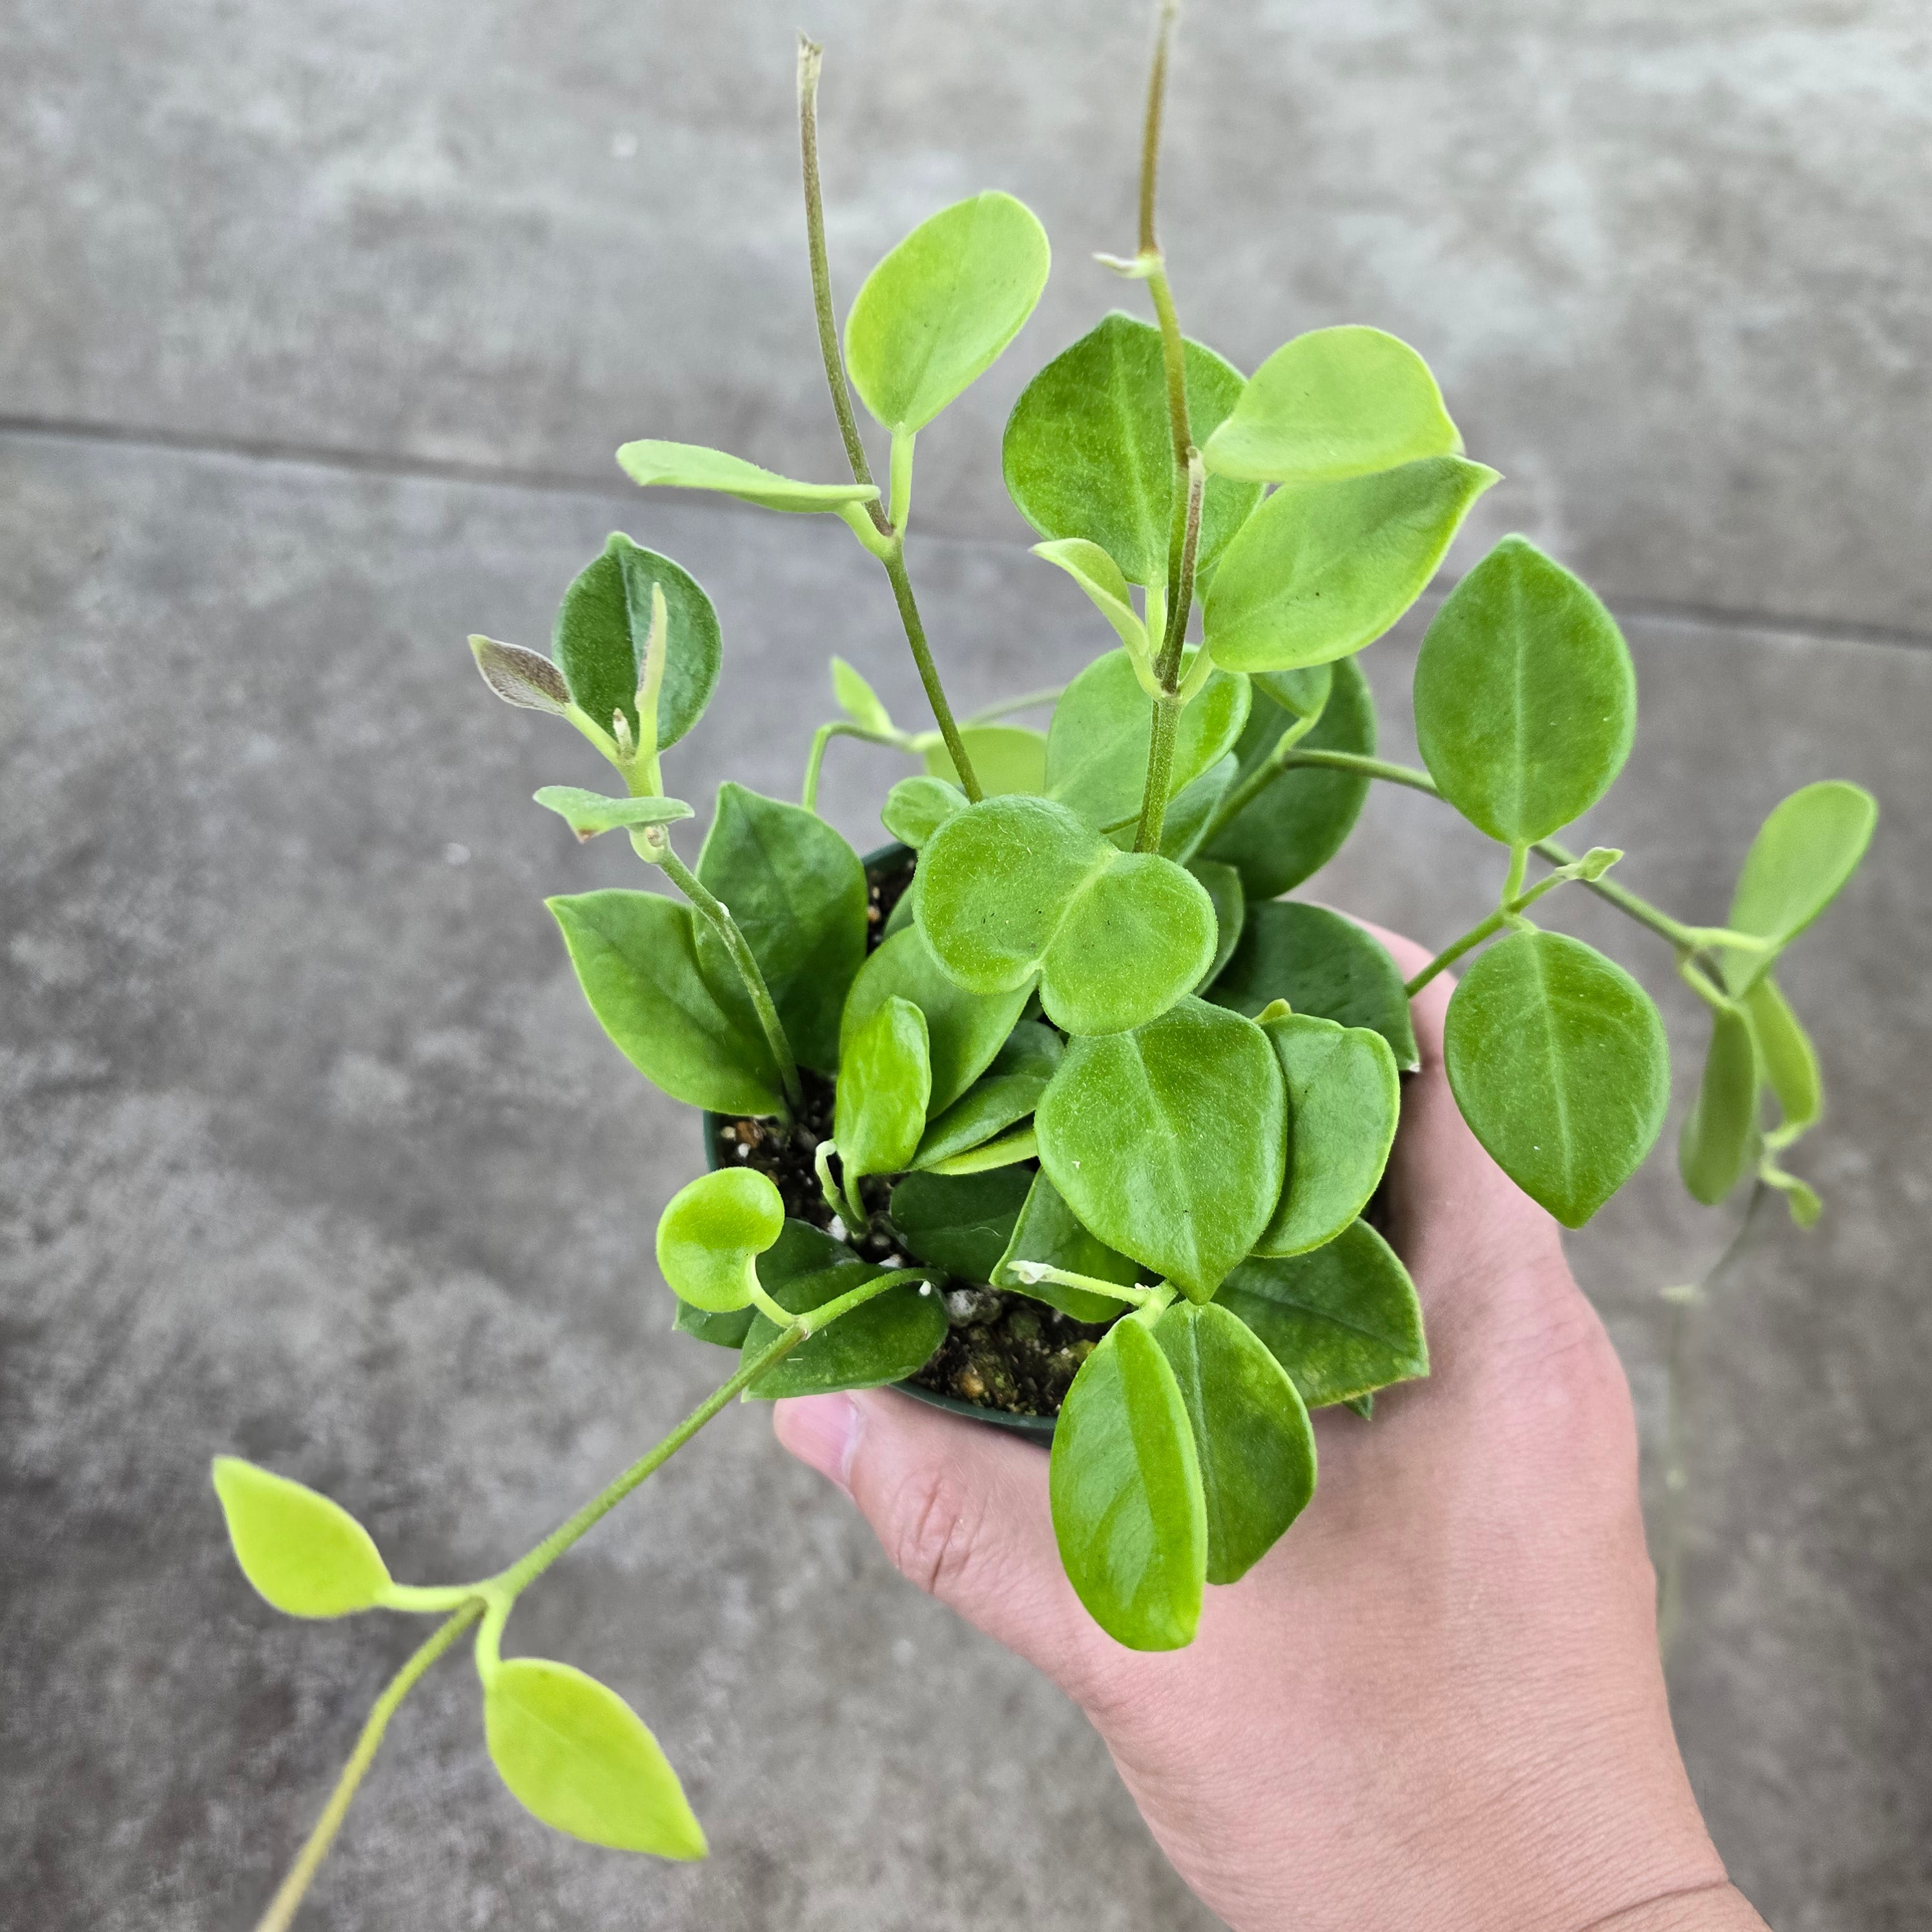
308	1147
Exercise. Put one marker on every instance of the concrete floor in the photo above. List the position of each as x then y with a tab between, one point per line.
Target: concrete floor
317	333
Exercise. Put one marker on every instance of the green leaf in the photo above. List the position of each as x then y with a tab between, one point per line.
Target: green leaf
933	316
1321	569
602	628
1016	886
797	892
883	1340
1303	692
1125	1486
965	1030
858	699
1526	698
637	959
1097	746
1231	910
1006	758
711	1234
308	1556
1557	1059
915	809
1301	820
1789	1059
1190	813
1048	1232
884	1082
1721	1130
577	1756
588	813
1801	1199
1021	1143
525	678
1169	1142
1099	576
1322	963
1251	1437
1088	452
1804	853
1333	402
725	1331
689	465
1342	1320
1008	1091
1344	1102
961	1224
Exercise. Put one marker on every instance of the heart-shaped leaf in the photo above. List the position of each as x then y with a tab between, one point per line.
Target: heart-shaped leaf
1789	1060
1342	1320
1088	452
1008	1091
1557	1060
1049	1232
588	813
689	465
604	622
637	959
1333	402
711	1234
1252	1439
1231	910
1097	746
1344	1101
308	1556
1301	820
1125	1486
1804	853
1320	963
1721	1129
1169	1142
858	700
961	1224
577	1756
1526	698
1321	569
915	809
1016	886
525	678
1099	576
1007	758
885	1080
933	316
797	892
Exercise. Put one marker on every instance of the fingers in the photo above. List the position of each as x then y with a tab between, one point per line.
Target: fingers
960	1509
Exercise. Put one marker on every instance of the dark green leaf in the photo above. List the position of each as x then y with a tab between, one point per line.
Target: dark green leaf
1804	853
885	1081
1048	1231
1169	1142
711	1233
1088	452
726	1331
1252	1439
915	808
690	466
1721	1129
961	1224
1007	758
1126	1490
307	1556
1557	1061
1342	1320
1790	1060
1322	963
588	813
1231	910
1008	1091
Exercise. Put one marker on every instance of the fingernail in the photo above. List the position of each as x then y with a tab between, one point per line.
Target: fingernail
822	1430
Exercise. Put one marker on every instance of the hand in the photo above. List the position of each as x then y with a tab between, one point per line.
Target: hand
1437	1703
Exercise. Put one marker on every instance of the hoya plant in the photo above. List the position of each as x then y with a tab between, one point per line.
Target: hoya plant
1060	1108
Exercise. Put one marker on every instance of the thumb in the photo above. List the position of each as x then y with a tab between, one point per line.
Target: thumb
960	1510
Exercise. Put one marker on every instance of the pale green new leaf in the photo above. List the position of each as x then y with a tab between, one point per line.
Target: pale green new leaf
884	1081
711	1233
1721	1130
1099	576
858	700
689	465
1006	1092
916	807
1804	853
588	813
1007	758
307	1556
1789	1060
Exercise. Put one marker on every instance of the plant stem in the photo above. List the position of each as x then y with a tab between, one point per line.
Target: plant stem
289	1894
658	851
838	727
894	560
1168	706
1249	789
1511	907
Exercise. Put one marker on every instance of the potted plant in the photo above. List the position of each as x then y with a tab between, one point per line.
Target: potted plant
1059	1110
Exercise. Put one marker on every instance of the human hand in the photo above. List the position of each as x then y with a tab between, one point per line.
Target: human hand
1438	1702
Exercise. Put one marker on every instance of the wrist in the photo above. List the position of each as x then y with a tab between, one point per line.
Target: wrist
1717	1907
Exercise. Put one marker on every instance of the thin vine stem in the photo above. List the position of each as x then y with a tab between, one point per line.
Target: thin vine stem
894	561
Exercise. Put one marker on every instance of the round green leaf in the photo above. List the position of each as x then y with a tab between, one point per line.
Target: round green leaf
1344	1102
1302	819
933	316
1125	1486
1333	402
1804	853
885	1080
1721	1127
588	813
1096	744
1048	1231
1557	1060
711	1234
1342	1320
1251	1437
915	809
689	465
1789	1059
604	622
1169	1142
961	1223
308	1556
1526	698
577	1756
1142	933
1007	758
1088	452
1320	963
1321	569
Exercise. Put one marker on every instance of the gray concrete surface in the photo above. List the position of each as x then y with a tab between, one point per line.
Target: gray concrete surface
307	1145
